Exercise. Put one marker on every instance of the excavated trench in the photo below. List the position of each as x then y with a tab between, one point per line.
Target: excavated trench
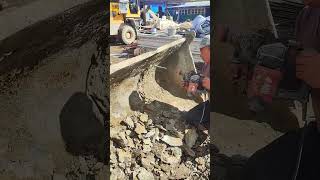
149	137
41	67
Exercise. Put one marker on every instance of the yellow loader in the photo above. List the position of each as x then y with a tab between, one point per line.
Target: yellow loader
124	19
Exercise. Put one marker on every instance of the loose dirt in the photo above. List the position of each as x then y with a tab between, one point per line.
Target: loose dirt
40	70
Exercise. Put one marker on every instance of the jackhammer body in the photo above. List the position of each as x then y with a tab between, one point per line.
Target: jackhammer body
270	68
271	74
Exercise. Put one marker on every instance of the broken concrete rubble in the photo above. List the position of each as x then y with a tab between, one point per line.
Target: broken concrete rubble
191	137
154	155
148	162
117	174
144	118
145	175
129	122
171	155
123	156
147	148
182	172
140	128
172	141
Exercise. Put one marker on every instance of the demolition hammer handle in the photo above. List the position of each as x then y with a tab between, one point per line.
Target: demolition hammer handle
301	143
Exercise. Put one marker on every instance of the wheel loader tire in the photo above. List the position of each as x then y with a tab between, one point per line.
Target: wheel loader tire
128	34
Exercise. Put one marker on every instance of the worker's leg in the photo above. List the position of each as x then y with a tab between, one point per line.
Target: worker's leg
200	113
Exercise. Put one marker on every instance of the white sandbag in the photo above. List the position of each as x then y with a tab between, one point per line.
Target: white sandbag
198	20
201	25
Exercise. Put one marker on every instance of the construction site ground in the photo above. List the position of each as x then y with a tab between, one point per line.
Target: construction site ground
45	46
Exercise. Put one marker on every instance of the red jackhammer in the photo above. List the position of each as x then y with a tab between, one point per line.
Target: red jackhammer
270	73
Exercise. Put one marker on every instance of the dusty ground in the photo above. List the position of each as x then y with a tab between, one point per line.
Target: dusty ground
116	54
21	13
31	98
35	119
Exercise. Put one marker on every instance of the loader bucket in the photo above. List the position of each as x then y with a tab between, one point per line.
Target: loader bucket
167	64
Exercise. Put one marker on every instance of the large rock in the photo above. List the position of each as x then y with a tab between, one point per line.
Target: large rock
147	148
129	122
123	156
191	137
114	131
151	133
144	118
200	160
166	167
145	175
172	155
130	142
140	129
158	149
147	145
119	137
147	141
172	141
182	172
148	162
117	174
113	158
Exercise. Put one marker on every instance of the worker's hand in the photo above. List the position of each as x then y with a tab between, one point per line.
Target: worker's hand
206	83
184	84
308	68
192	88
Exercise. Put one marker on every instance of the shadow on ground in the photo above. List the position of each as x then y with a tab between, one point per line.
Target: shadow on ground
278	159
225	167
81	130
